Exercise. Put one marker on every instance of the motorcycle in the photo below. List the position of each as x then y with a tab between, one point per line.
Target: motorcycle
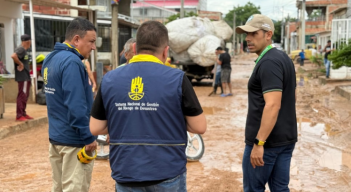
194	151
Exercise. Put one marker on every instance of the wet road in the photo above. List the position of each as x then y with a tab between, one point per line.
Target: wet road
321	160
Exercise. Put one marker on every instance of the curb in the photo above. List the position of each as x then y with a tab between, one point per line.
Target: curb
6	131
344	93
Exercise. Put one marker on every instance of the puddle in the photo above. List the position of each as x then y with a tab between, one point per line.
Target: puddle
322	130
211	110
327	155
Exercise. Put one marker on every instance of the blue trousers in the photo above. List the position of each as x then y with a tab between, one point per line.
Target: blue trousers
275	172
176	184
327	66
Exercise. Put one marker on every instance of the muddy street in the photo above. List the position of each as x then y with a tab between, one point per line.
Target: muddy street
321	160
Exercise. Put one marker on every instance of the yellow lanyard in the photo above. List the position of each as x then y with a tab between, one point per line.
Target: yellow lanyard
70	46
145	58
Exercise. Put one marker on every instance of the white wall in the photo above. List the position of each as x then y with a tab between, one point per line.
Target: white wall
8	12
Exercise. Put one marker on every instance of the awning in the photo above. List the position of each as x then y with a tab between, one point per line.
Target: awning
51	3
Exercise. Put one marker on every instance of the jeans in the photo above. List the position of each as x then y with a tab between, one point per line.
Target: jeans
276	169
218	78
176	184
301	62
327	66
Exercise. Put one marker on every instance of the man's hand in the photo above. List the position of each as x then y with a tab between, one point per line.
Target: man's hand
91	147
20	67
256	156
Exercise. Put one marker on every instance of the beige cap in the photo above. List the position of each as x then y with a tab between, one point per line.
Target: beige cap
255	23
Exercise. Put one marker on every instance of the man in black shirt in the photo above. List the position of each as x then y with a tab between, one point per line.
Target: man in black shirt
21	59
226	70
271	127
327	50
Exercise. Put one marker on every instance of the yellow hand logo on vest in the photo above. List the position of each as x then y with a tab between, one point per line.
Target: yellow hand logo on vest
45	76
136	91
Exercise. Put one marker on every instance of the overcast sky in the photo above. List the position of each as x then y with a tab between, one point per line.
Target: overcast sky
272	8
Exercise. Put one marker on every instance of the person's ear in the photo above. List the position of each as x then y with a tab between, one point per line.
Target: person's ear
165	53
269	35
75	40
134	48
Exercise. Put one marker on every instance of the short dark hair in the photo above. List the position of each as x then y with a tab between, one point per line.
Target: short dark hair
152	36
328	41
219	49
78	26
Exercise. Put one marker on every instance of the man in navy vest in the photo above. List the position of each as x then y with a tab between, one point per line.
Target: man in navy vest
147	109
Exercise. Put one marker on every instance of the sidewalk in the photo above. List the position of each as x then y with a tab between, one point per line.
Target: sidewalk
9	125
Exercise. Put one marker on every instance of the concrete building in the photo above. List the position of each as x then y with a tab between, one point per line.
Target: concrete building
160	10
318	25
9	13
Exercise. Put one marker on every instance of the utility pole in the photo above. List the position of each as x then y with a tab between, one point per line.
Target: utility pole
182	9
234	34
114	35
282	29
303	25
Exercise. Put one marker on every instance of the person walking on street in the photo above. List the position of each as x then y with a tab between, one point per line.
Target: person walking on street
69	100
327	49
218	75
271	126
21	59
226	70
302	57
147	115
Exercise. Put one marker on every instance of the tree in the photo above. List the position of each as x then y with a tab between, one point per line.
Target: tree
341	56
177	16
242	14
277	32
316	13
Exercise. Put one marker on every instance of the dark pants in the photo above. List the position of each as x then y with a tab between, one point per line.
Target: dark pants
22	98
275	172
302	62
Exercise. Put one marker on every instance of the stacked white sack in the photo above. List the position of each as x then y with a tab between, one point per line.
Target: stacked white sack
182	56
184	32
223	30
202	51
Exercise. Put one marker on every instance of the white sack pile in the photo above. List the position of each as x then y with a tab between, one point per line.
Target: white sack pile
222	29
202	51
182	56
184	32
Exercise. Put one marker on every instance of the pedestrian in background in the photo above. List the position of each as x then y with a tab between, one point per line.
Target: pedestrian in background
128	50
302	57
69	99
226	70
327	49
147	115
21	59
218	82
271	126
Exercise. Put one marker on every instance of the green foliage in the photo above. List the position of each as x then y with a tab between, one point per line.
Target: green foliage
2	80
277	32
341	56
177	16
315	14
318	59
242	13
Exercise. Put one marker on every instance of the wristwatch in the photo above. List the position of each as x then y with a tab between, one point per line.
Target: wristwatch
258	142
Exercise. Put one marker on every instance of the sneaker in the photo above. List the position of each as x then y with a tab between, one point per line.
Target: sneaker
28	117
223	95
21	119
230	94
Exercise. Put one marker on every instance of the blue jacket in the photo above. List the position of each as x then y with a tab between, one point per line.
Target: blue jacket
68	96
145	121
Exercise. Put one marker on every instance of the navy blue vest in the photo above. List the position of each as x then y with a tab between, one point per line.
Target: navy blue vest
145	121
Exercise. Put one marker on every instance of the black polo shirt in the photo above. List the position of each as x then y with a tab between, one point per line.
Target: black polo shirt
274	72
